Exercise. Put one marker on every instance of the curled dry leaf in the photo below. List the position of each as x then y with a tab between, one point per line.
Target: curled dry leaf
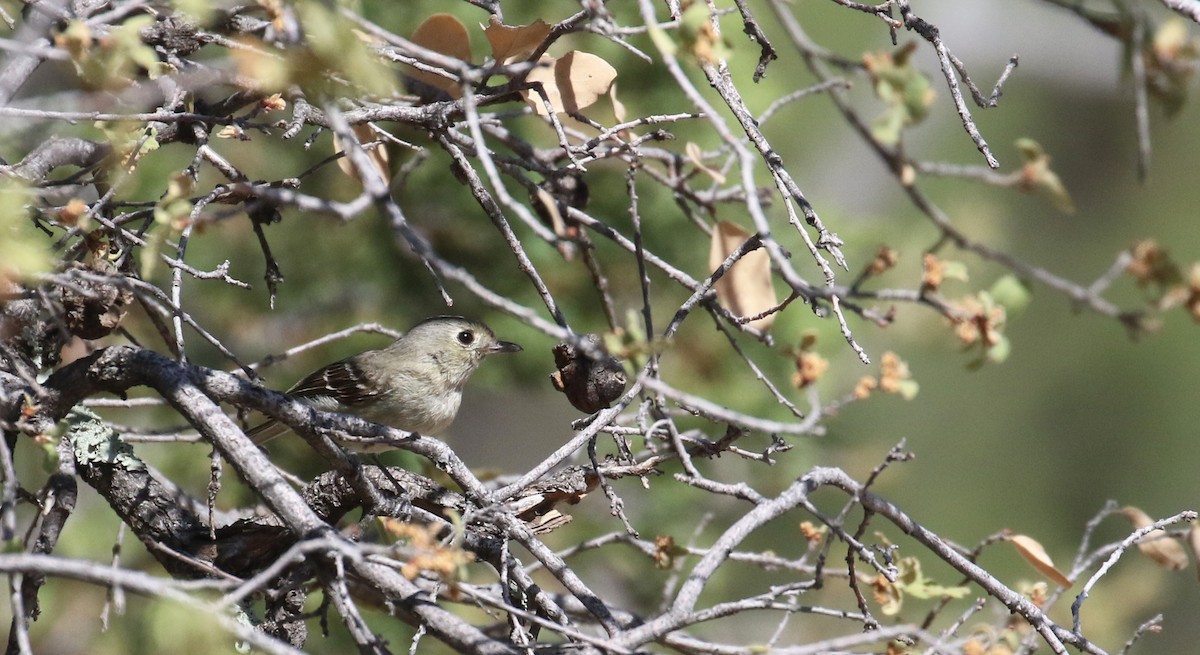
697	157
888	595
571	83
746	288
1156	544
1035	554
377	153
547	208
445	34
514	43
618	107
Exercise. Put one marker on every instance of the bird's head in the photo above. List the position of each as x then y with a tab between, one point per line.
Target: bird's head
454	344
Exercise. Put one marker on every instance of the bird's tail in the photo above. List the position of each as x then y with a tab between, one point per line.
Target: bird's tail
266	431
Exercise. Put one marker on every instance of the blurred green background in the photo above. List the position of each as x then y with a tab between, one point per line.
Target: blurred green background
1078	415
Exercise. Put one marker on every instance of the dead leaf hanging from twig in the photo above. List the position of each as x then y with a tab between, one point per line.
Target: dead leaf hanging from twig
377	153
1157	544
746	288
1035	554
571	83
515	43
445	34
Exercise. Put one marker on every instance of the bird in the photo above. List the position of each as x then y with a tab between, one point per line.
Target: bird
413	384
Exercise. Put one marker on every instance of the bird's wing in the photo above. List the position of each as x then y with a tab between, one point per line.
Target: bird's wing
341	381
332	388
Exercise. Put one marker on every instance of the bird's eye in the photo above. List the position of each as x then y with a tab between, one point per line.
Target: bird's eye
466	337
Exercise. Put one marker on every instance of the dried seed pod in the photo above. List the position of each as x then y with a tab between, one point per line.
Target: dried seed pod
589	384
92	308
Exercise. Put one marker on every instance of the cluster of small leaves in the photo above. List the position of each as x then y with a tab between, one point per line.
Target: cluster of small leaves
1151	265
1171	57
331	56
1037	176
423	551
904	89
21	253
114	59
910	581
569	83
894	377
810	365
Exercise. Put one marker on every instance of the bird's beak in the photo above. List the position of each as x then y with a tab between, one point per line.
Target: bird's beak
504	347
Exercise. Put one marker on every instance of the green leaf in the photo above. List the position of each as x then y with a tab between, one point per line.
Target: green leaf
1013	293
1030	150
954	270
49	450
341	50
905	90
918	96
201	10
887	127
23	249
914	582
699	36
908	389
661	39
1000	351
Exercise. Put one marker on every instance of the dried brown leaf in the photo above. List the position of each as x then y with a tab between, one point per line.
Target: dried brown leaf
571	83
697	157
445	34
515	43
888	595
746	288
618	107
550	205
1156	544
1035	554
377	153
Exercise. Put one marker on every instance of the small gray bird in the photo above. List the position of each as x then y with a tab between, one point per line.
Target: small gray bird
414	384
